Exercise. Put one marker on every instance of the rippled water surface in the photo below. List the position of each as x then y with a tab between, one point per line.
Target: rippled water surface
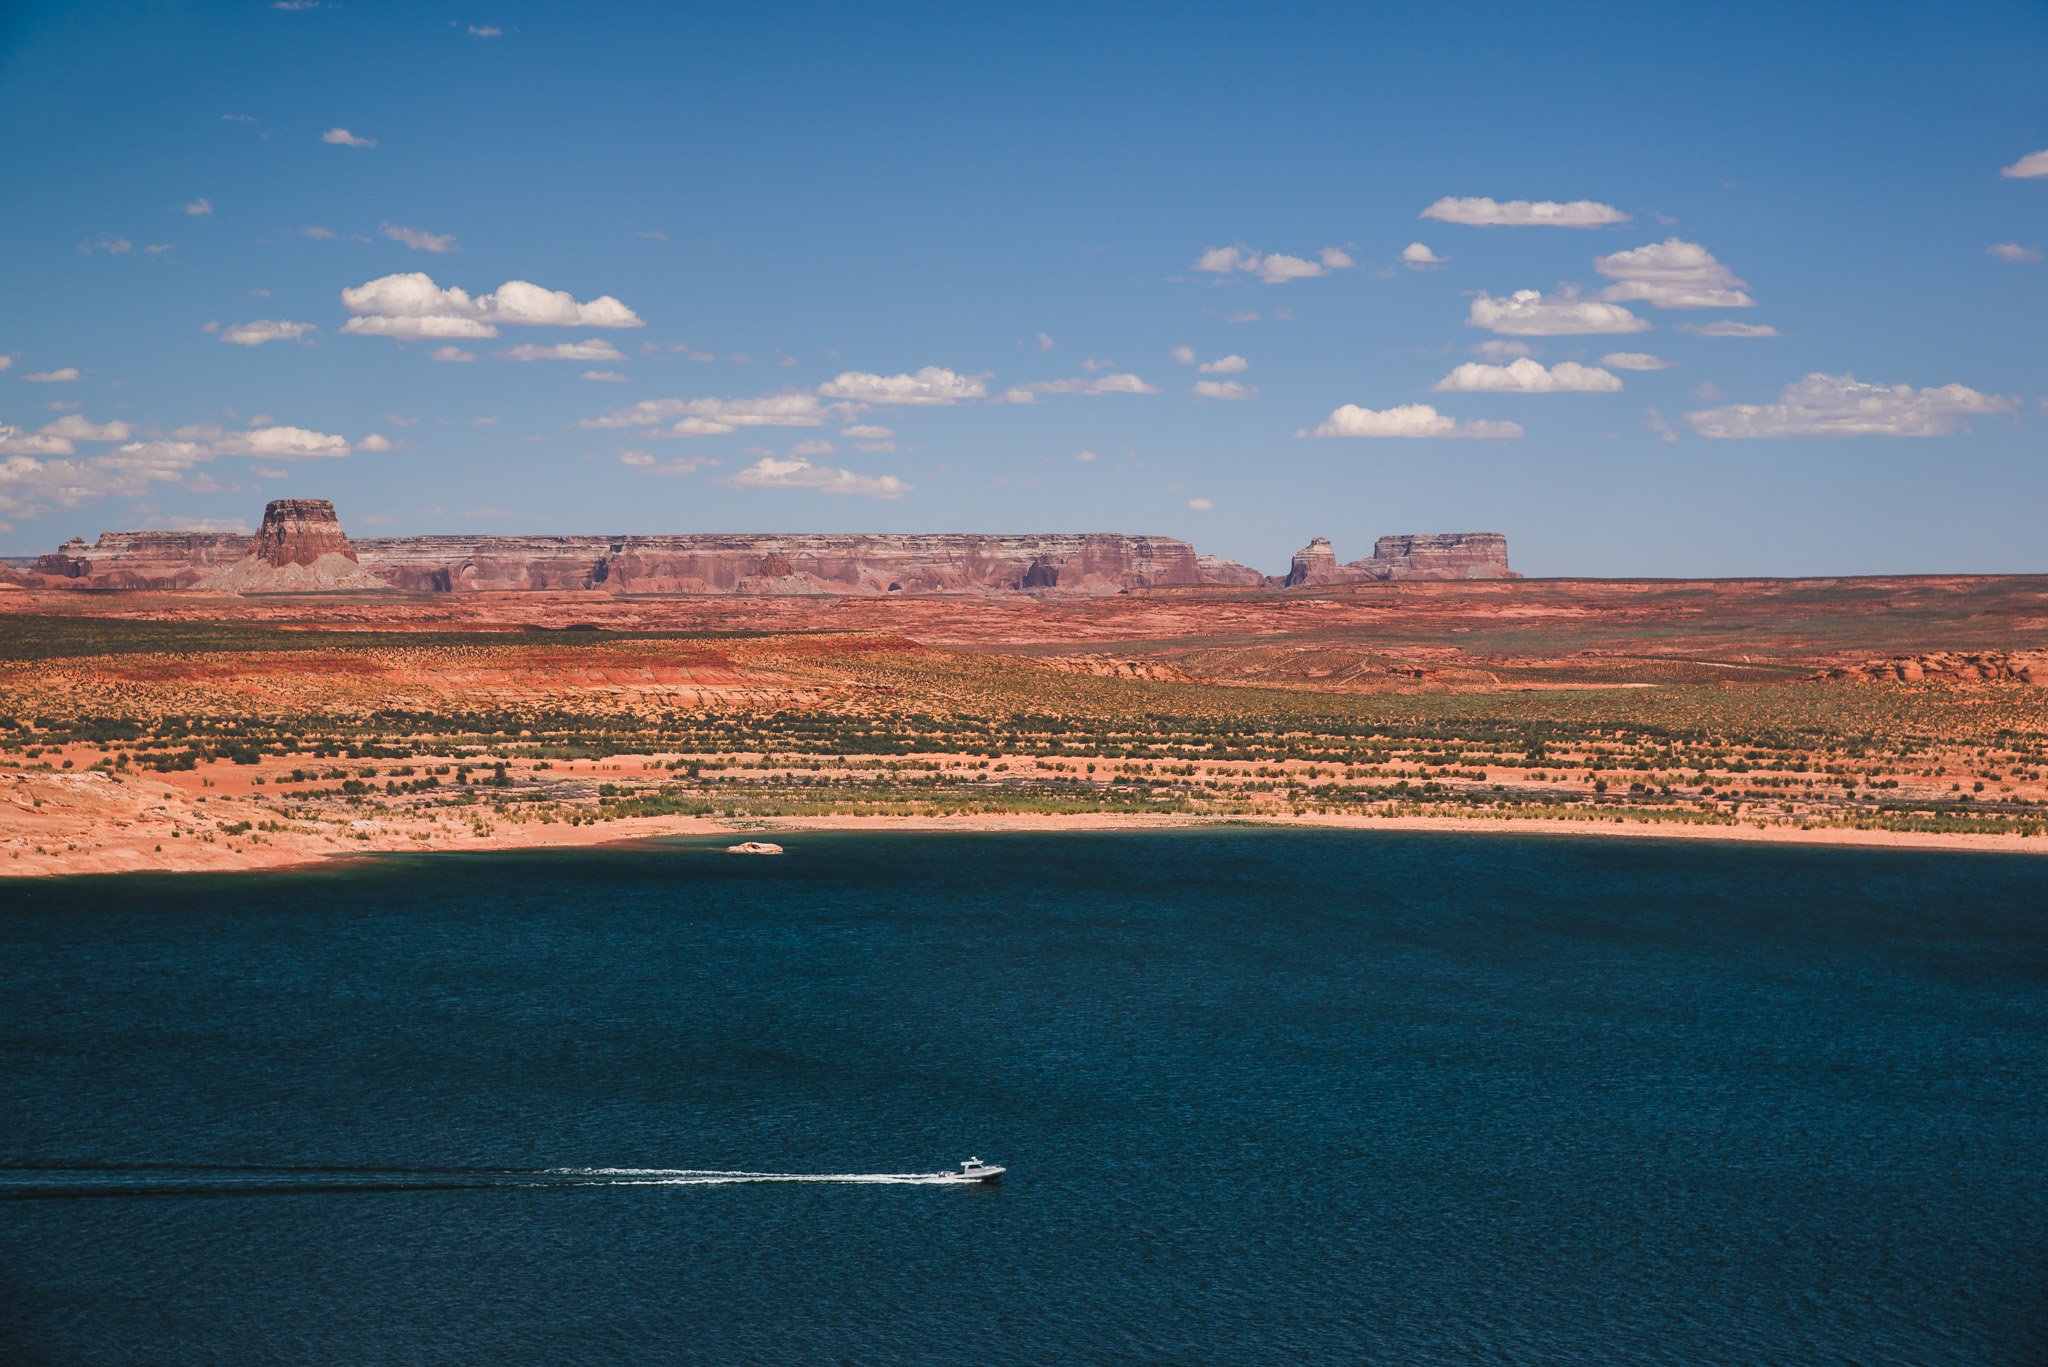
1300	1097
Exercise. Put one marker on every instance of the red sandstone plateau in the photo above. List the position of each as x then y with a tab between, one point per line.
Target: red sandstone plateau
302	547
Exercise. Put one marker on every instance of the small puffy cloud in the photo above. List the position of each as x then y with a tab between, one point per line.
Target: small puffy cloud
1200	505
72	427
1724	328
1183	355
635	458
316	231
931	385
868	432
1084	455
1409	420
1493	349
1045	342
106	242
15	442
1224	389
53	376
1527	377
341	137
798	473
266	330
419	241
450	353
2013	251
1275	268
1635	360
1528	313
715	417
872	446
610	376
591	349
410	305
1229	365
491	421
198	208
486	32
1417	257
1096	384
2032	166
1655	422
374	442
1672	275
812	446
277	443
1522	213
6	362
1838	406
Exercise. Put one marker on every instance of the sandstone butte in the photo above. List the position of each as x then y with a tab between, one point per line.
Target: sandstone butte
301	547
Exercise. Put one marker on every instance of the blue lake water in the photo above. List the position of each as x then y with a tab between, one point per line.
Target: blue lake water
1265	1096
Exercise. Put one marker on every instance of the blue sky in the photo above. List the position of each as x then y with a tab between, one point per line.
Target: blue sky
899	268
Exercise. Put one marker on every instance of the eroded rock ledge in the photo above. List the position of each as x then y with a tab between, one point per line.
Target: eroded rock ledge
301	547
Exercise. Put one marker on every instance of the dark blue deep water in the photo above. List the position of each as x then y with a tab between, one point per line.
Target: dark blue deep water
1266	1097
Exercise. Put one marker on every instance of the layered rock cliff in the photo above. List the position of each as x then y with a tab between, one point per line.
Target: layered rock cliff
301	547
1446	555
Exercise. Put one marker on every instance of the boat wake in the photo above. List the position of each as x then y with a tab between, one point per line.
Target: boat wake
66	1182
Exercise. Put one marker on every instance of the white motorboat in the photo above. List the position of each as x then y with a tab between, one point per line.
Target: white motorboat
974	1170
753	847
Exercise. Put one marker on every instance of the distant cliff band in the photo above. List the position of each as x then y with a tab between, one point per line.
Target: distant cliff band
301	548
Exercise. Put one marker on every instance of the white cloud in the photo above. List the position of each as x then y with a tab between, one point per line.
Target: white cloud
1838	406
1275	268
1493	349
275	443
199	208
15	442
1224	389
1656	424
798	473
715	417
812	446
266	330
1046	343
411	305
450	353
1229	365
6	362
1099	384
106	242
486	32
1527	377
1521	213
374	442
1420	258
2032	166
53	376
610	376
931	385
419	241
590	349
1183	355
1724	328
1084	455
874	446
634	458
1635	360
868	432
1527	313
1672	275
341	137
1409	420
316	231
2013	251
72	427
1200	505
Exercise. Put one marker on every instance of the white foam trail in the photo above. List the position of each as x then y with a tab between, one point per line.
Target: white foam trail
714	1176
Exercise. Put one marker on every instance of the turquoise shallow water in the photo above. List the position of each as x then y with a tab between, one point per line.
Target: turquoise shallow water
1266	1096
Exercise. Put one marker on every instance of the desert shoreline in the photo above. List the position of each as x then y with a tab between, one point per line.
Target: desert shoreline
634	831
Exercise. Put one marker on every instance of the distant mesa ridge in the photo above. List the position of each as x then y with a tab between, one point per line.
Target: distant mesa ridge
1446	555
301	547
